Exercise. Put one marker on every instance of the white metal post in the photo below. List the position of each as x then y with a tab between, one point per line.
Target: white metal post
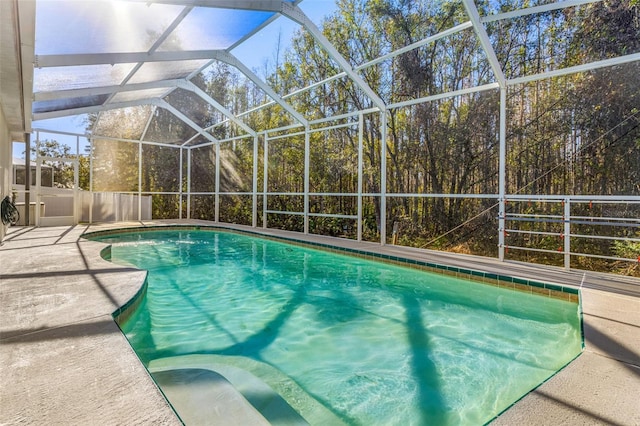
27	179
360	168
90	181
502	173
254	198
189	184
76	183
567	233
265	168
180	184
216	215
307	156
140	183
38	182
383	178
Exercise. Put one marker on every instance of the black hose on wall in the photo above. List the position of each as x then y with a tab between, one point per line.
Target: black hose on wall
9	212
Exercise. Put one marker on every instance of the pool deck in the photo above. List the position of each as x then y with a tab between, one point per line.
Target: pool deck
63	359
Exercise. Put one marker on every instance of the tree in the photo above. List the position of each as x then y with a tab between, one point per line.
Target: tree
63	170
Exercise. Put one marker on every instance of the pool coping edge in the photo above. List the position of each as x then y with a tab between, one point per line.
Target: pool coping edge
556	291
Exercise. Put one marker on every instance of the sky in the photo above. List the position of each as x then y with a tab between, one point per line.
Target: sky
254	53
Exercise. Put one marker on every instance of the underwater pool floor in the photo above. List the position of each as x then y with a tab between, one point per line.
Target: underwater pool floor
373	342
66	361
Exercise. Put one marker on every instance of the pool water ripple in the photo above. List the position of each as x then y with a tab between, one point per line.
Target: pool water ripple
374	343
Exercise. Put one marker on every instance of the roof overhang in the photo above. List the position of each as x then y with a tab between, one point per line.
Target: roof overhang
17	39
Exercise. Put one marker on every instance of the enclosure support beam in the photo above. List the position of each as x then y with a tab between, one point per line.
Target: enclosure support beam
254	213
445	95
265	170
148	123
307	156
88	110
180	188
76	184
535	9
189	184
195	89
483	37
383	177
164	104
634	57
27	177
567	233
104	90
360	167
38	195
216	215
502	158
84	59
228	58
296	14
140	181
91	153
152	50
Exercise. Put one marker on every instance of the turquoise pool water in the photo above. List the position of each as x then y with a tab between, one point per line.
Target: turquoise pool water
373	343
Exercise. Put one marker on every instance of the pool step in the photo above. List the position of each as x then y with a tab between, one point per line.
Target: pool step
202	397
235	380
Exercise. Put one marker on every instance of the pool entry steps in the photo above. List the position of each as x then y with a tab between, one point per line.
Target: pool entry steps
232	384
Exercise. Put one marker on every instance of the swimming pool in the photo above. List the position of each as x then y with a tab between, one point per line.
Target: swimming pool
368	342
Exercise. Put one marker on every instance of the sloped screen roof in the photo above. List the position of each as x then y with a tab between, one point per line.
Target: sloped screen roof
92	56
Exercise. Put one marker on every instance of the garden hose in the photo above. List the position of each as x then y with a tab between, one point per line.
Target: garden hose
10	215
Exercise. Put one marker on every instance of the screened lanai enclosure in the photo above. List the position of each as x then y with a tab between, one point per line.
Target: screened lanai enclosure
508	129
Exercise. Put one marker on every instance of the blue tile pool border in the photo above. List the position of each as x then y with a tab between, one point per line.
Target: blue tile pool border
556	291
122	314
125	311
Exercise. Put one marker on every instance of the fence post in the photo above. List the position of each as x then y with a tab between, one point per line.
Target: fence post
216	209
567	233
307	168
360	169
140	153
502	173
383	178
180	187
265	179
254	198
189	158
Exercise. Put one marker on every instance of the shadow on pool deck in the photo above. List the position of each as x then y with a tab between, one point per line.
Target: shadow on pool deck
67	362
613	348
63	359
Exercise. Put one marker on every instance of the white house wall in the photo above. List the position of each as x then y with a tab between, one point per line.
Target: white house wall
5	163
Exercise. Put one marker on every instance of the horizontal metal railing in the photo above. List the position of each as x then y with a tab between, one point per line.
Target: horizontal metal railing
568	235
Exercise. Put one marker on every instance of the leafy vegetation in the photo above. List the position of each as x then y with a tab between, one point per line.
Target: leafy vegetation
574	134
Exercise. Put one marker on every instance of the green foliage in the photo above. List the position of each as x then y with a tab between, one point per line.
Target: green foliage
115	166
627	249
576	134
63	171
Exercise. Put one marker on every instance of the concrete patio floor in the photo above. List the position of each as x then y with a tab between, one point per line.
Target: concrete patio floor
63	359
